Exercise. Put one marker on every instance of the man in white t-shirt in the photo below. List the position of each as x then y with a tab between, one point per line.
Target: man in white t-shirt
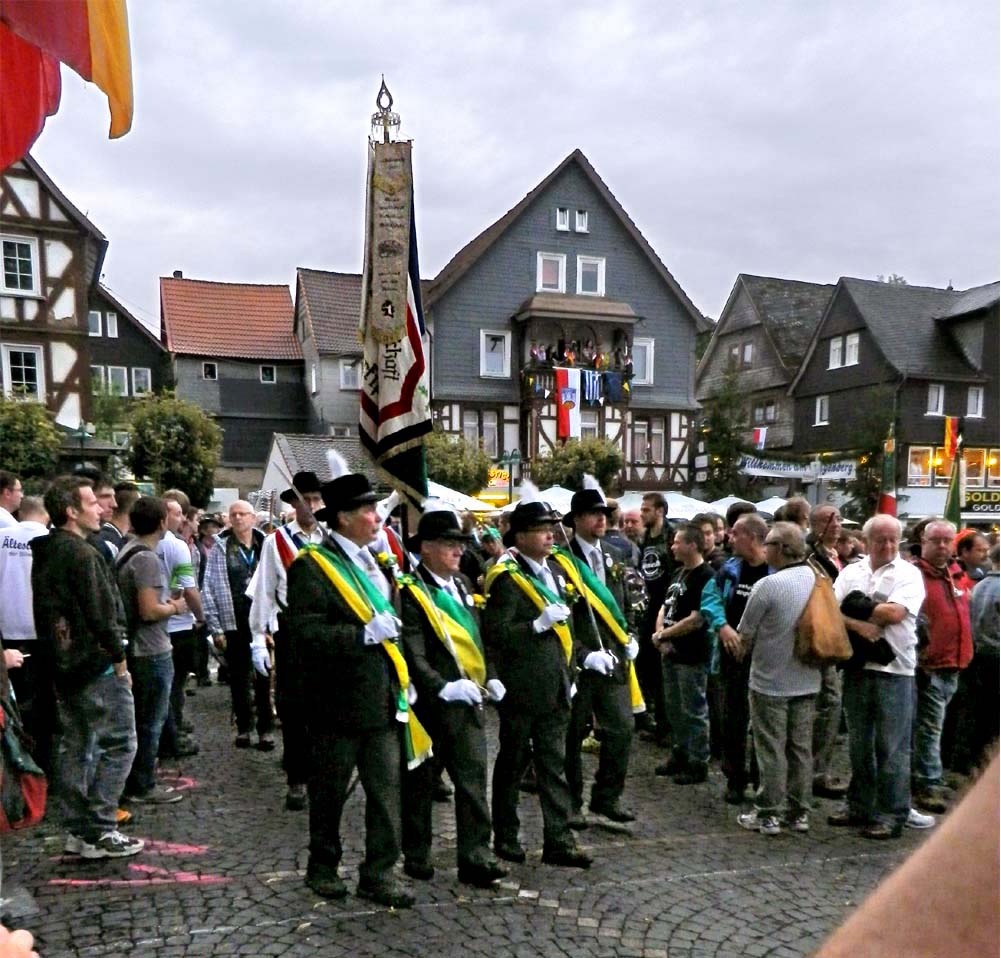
10	498
879	699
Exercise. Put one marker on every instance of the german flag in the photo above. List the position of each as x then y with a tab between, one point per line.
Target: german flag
952	430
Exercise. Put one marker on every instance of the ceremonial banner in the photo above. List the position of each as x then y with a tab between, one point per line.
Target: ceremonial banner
952	430
91	36
568	401
760	433
888	482
395	413
956	495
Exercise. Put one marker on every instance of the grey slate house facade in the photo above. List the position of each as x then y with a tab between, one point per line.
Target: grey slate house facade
760	339
915	355
234	354
327	308
565	265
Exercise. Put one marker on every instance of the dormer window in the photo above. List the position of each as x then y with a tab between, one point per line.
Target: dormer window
562	218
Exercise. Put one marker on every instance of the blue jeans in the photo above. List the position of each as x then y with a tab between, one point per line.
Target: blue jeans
152	676
879	708
94	754
935	691
687	711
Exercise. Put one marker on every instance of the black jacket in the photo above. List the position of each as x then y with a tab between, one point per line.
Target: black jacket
78	611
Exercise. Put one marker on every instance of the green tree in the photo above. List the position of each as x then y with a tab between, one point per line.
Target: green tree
863	490
724	422
894	279
175	444
568	462
108	410
30	441
456	462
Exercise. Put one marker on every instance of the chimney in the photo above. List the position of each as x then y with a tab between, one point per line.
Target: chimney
178	274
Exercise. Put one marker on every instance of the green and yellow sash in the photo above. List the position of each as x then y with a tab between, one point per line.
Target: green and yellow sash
453	625
596	593
536	591
364	600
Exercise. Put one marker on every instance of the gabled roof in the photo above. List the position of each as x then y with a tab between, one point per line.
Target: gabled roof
331	305
790	311
106	293
475	248
972	300
79	218
237	320
302	451
902	322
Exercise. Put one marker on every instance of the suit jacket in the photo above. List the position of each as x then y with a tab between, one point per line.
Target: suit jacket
348	686
583	623
531	665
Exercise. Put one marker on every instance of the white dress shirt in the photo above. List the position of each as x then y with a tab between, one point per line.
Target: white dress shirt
594	557
362	557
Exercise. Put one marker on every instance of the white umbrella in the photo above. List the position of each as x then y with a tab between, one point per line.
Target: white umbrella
721	505
770	506
558	497
460	500
683	507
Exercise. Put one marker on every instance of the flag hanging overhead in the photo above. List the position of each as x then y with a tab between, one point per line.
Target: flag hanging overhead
952	430
760	434
395	412
567	403
90	36
956	495
888	481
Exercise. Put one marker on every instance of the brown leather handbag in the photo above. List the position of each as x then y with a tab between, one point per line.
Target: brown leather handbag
821	636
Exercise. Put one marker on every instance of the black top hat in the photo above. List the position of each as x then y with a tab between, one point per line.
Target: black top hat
528	515
343	494
304	482
439	524
586	500
209	518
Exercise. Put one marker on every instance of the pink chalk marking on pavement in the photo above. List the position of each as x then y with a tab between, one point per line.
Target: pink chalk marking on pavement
153	847
180	783
158	876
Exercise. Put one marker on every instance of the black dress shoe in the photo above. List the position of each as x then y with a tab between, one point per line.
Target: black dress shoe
879	831
829	788
387	893
510	851
295	798
481	875
613	811
846	818
242	741
326	882
566	858
420	870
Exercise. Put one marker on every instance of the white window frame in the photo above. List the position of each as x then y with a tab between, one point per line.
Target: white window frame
98	378
975	402
822	411
561	259
36	280
657	427
746	355
835	353
124	370
598	261
646	343
136	390
274	374
851	349
215	372
936	399
469	423
90	315
590	425
563	219
111	325
580	222
506	335
8	389
312	379
491	449
923	480
349	371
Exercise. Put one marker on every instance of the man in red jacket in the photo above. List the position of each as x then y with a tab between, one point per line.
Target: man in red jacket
946	648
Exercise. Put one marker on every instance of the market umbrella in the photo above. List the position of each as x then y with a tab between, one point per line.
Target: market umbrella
770	506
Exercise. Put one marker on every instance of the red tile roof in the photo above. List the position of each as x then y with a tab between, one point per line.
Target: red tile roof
241	320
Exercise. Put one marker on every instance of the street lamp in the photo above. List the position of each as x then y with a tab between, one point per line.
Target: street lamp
82	433
510	460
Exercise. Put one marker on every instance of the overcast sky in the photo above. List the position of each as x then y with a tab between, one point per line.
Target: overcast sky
806	140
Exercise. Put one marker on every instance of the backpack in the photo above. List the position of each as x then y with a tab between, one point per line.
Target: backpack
121	564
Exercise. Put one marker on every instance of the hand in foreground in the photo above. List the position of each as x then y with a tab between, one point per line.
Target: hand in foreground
13	658
382	626
461	690
496	689
730	638
868	630
601	662
550	616
632	649
16	944
259	656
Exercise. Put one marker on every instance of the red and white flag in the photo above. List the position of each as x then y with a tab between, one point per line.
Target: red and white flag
568	401
759	437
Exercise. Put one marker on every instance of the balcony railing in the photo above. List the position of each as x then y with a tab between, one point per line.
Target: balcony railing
538	383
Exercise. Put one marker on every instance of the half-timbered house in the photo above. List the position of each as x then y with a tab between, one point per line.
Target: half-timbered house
565	279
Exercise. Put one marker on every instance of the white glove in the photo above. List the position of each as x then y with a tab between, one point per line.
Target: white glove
383	625
632	649
259	656
551	614
496	689
461	690
411	694
601	662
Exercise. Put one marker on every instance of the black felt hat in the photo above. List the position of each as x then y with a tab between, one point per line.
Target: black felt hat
586	500
529	515
343	494
439	524
304	482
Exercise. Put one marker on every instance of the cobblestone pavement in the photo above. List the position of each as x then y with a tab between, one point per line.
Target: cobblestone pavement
222	874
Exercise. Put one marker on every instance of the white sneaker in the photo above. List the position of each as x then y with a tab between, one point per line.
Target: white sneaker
75	845
766	825
916	819
113	845
801	823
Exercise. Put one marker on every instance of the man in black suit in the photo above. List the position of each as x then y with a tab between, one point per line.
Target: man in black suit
602	697
342	622
441	635
528	635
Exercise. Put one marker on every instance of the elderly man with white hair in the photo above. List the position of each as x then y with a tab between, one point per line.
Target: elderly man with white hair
879	699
